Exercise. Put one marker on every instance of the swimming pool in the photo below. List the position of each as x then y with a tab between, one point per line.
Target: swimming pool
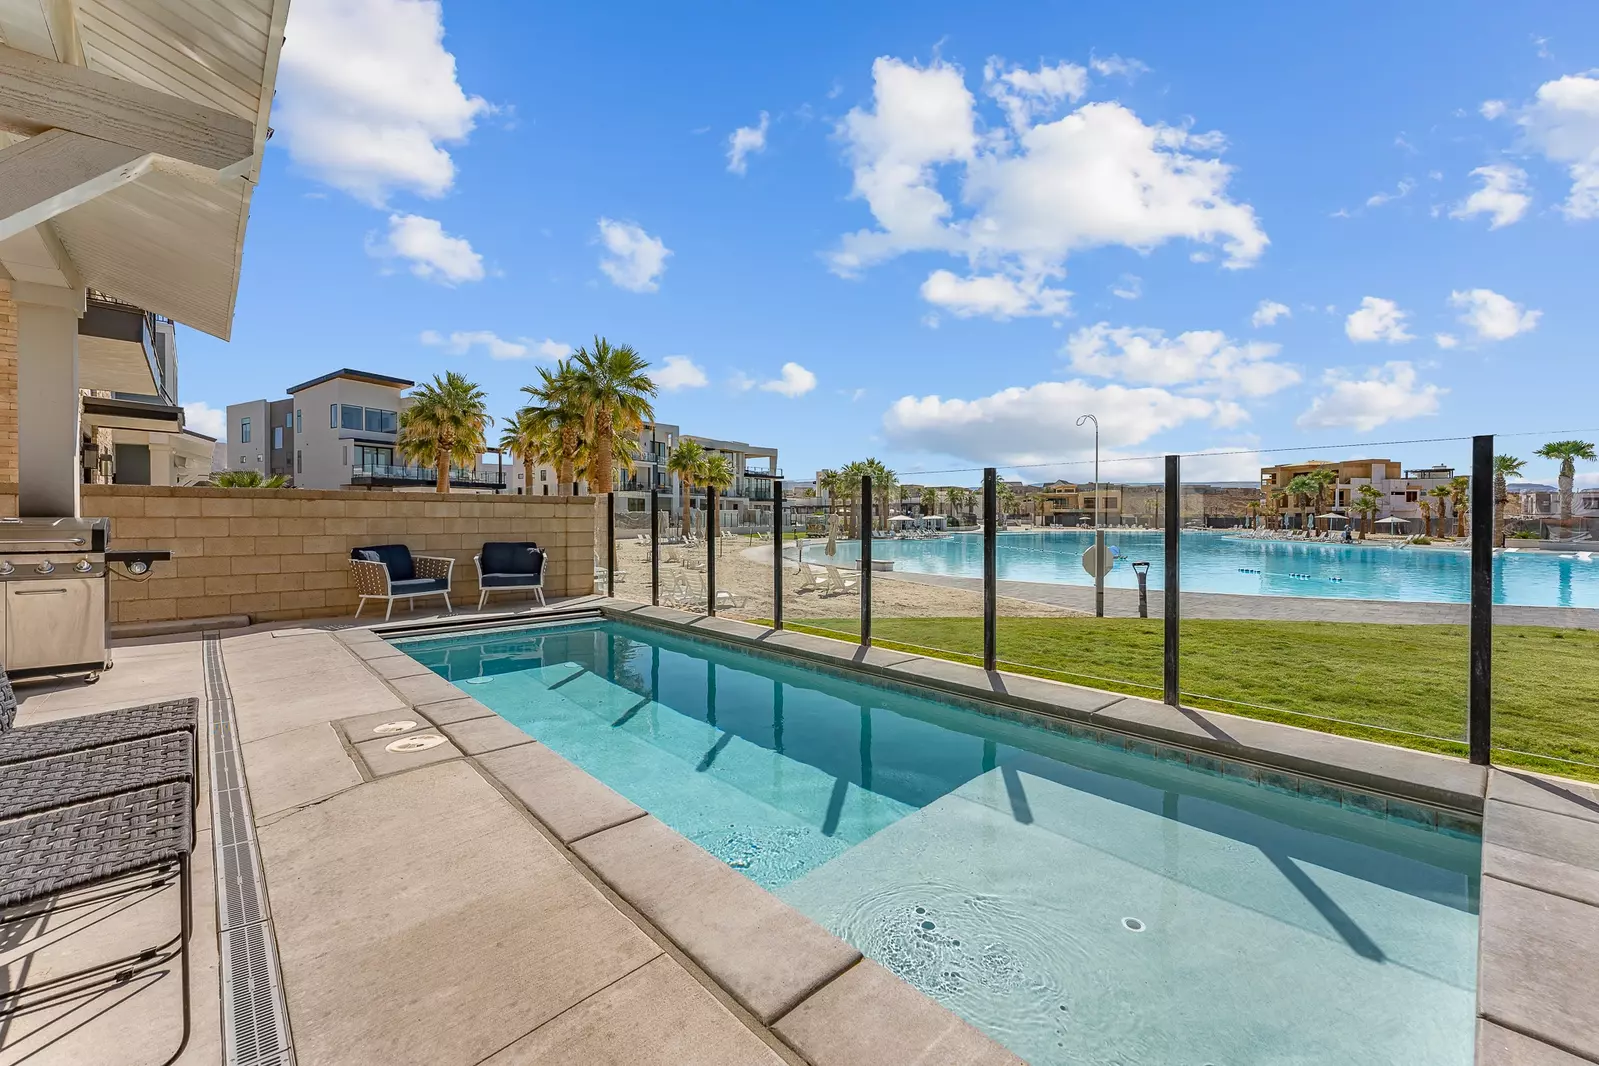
1079	902
1217	562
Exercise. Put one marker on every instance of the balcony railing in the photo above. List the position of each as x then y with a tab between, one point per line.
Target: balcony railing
377	474
751	471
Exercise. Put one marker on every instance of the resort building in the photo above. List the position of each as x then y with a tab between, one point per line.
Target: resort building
1541	503
747	503
1401	491
1064	503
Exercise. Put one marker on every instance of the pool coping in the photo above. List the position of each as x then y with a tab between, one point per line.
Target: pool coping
1537	989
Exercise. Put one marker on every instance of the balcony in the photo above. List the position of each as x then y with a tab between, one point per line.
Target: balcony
423	476
765	474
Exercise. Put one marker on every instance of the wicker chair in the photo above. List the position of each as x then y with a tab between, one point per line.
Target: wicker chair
390	572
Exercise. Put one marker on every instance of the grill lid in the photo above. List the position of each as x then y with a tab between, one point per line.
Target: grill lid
20	536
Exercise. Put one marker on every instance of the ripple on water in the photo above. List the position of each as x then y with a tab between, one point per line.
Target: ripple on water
769	855
1024	973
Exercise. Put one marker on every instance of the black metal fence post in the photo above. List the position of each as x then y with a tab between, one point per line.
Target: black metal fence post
655	547
1173	604
1479	725
610	544
990	568
713	534
777	553
865	584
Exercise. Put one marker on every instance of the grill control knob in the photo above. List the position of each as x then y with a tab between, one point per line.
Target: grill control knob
5	566
46	567
83	566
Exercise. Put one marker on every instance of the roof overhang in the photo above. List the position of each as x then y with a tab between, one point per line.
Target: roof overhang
103	413
116	350
130	143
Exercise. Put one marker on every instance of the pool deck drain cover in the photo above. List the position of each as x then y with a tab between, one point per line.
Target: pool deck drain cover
388	729
417	743
1133	925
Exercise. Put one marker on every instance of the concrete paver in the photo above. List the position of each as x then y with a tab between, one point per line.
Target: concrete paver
655	1016
397	666
381	761
568	801
765	953
421	919
362	727
478	735
458	709
424	688
1498	1046
1546	794
869	1017
307	699
296	767
1535	966
1552	852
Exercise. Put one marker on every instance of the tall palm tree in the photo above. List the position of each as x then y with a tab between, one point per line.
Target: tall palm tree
929	500
1303	488
1442	493
1460	496
614	392
687	461
1426	516
884	481
530	441
1568	452
1505	468
1367	500
444	424
560	415
1007	500
718	475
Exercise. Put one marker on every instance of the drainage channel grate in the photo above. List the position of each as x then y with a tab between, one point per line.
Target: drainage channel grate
255	1019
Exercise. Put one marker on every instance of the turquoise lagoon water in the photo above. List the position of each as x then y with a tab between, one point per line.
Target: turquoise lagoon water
1217	562
1080	903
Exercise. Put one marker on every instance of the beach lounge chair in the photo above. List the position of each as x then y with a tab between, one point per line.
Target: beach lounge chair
807	579
724	597
390	572
837	582
509	565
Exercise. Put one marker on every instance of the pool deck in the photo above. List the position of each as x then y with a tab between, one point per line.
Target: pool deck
483	901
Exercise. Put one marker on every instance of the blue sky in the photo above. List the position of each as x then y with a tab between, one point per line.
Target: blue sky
1263	227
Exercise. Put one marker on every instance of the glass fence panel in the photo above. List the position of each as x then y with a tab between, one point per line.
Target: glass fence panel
744	562
1546	610
1329	588
684	551
820	593
1053	620
632	547
927	566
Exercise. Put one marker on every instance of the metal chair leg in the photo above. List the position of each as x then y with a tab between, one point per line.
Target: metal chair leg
447	608
186	920
390	609
482	596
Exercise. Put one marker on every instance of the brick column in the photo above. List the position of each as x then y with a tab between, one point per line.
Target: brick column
8	402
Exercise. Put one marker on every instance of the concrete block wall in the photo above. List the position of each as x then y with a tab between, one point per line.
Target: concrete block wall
8	402
285	553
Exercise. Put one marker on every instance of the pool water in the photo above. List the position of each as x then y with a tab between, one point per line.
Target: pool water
1080	903
1219	562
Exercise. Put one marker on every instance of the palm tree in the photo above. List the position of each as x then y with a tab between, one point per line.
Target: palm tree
1007	499
1426	516
1505	468
1460	496
1303	488
1568	452
248	479
883	482
1367	501
560	417
611	388
1443	494
444	424
687	461
929	500
528	438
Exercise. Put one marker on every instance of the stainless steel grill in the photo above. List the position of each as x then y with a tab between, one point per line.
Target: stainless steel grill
53	594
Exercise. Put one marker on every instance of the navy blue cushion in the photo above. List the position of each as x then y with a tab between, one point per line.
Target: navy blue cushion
396	557
415	585
496	581
512	557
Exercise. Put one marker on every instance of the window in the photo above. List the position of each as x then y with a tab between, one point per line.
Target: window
288	419
380	421
299	462
370	458
546	490
333	416
299	421
242	460
544	475
344	455
277	437
1411	497
351	417
244	431
635	505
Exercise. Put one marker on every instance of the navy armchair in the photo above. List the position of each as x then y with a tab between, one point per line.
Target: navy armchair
390	572
509	565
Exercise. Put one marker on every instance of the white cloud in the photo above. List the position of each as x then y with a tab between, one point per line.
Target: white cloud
1268	313
1128	287
744	141
367	95
203	418
994	295
433	254
1492	109
1378	320
740	382
1503	195
794	381
1389	393
460	342
1035	191
855	395
1032	424
1492	316
635	260
1562	122
1208	361
1446	340
680	372
1114	65
1400	192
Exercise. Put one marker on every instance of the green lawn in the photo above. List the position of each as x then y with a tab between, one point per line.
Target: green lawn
1379	682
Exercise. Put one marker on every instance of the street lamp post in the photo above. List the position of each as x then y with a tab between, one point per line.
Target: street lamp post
1099	532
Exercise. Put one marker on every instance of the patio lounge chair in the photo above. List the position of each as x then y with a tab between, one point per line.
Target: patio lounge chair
509	565
807	579
389	572
837	582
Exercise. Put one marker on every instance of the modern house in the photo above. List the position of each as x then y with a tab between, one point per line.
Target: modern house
747	503
338	431
1401	491
1541	503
